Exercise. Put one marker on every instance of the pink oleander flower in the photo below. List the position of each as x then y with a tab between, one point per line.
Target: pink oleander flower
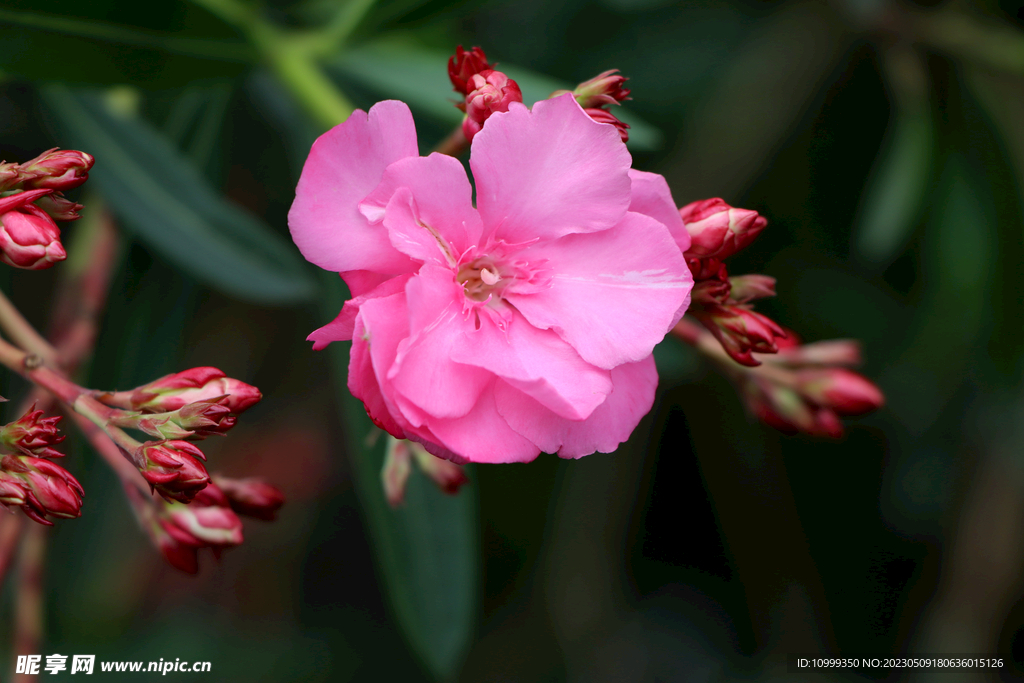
175	391
40	488
29	238
718	230
490	92
491	333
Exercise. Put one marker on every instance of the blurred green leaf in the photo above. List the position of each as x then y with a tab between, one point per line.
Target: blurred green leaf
82	49
162	197
419	77
427	550
896	193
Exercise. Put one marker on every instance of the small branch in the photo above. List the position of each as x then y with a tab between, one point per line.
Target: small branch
28	610
21	331
11	526
453	145
109	451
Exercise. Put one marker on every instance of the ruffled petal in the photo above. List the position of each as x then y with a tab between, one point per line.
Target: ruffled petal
445	219
537	362
549	172
633	388
342	328
651	197
613	294
345	164
482	435
424	372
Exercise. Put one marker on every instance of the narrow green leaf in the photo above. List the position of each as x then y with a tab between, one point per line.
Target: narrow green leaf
428	550
419	77
896	192
169	205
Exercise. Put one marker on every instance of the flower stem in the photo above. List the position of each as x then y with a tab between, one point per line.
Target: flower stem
453	145
28	610
21	331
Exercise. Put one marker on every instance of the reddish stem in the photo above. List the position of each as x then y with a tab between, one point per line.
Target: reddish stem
453	145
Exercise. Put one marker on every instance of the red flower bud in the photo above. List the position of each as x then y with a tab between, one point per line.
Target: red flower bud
56	169
59	208
448	476
40	488
176	391
28	236
740	330
172	468
717	229
605	116
745	288
251	497
490	92
32	434
464	65
603	89
841	390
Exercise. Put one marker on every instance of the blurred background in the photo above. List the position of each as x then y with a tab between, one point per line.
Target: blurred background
884	142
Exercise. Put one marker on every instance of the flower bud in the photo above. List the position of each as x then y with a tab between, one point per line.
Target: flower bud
10	178
59	208
32	434
251	497
395	473
40	488
464	65
448	476
740	330
172	468
179	530
176	391
719	230
603	89
194	421
490	92
56	169
605	116
746	288
840	390
712	291
29	238
833	352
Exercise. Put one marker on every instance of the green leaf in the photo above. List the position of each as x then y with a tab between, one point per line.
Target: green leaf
419	77
168	204
85	50
896	192
427	550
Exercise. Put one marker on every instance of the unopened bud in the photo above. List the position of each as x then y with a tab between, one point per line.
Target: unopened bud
745	288
251	497
172	468
464	65
9	176
58	208
194	421
57	169
40	488
841	390
740	330
173	392
712	291
832	352
603	89
719	230
29	238
448	476
490	92
32	434
395	473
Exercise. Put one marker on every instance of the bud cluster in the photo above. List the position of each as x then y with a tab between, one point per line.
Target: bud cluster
177	409
484	90
31	199
29	481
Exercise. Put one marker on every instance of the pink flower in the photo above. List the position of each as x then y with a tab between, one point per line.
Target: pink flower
523	324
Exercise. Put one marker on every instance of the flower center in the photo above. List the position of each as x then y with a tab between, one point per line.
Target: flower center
480	279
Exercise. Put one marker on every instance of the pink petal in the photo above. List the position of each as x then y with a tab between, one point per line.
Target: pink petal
346	164
609	425
424	372
549	172
613	294
444	203
342	328
538	363
483	435
651	197
362	377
